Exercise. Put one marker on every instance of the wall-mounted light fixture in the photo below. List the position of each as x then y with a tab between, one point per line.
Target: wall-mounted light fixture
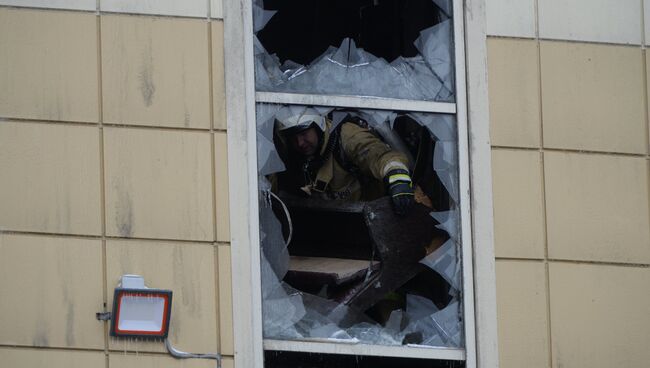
142	312
139	311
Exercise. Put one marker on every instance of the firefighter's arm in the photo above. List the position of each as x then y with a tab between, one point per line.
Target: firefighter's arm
367	152
375	158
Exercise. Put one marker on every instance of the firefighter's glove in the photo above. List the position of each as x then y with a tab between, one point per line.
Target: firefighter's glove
400	189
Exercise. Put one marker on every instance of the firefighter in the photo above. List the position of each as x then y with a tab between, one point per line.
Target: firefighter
345	163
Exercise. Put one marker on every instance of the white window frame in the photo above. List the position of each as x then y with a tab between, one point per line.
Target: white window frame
479	294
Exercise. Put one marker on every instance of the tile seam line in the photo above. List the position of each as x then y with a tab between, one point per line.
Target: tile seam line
217	296
531	38
600	263
160	128
589	42
568	150
51	348
102	179
600	153
97	123
552	260
52	235
108	237
4	119
80	11
514	148
88	350
85	350
648	178
167	240
644	56
519	259
98	11
213	137
514	38
541	157
213	181
158	15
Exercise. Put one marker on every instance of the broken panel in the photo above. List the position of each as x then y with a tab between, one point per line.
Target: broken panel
382	48
342	269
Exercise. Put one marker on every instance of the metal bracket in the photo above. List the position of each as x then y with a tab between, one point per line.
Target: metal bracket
103	316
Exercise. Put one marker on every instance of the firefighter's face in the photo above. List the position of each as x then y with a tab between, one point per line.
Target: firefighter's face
305	142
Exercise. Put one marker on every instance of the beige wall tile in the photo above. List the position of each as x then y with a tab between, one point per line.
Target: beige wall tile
188	8
155	71
515	18
228	362
593	97
156	361
158	184
522	316
38	358
518	206
218	76
597	207
221	171
225	301
613	21
514	92
54	4
599	316
50	178
51	289
45	82
188	269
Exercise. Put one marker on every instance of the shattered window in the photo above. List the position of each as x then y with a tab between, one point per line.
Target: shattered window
382	48
360	221
335	268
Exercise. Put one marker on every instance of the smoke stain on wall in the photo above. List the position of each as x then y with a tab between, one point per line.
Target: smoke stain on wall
124	212
188	295
42	331
65	270
145	75
40	340
69	326
41	336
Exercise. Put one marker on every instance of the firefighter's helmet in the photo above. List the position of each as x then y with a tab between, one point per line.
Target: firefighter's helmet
295	119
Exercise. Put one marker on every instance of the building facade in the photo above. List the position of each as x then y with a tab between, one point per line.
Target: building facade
115	120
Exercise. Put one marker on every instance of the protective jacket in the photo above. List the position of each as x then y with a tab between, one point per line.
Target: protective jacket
351	165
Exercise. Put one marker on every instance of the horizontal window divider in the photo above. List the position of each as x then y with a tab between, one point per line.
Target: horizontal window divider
356	102
337	346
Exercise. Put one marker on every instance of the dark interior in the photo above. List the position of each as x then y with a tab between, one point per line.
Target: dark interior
282	359
335	234
303	30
